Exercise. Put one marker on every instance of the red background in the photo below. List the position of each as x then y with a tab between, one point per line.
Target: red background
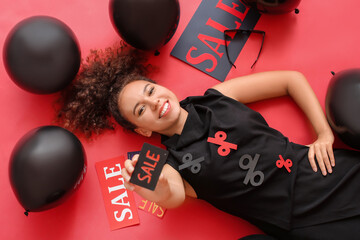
322	38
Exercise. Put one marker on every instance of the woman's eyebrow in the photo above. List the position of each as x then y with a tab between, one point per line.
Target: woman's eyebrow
144	91
146	87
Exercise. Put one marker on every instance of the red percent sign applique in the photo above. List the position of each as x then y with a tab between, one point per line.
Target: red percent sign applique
282	163
225	147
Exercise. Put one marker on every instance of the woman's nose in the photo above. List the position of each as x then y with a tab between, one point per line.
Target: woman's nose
154	103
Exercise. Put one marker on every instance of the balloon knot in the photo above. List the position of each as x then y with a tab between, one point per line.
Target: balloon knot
297	11
333	73
26	213
157	53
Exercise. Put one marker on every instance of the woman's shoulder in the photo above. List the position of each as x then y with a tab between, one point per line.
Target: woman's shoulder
209	96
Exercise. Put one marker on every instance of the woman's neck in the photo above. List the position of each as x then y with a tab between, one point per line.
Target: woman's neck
178	127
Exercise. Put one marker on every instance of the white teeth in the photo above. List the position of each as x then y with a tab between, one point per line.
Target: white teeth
166	106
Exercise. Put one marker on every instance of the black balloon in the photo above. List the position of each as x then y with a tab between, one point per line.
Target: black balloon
273	6
41	55
145	24
46	166
343	106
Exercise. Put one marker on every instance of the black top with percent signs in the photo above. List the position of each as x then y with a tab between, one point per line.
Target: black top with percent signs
248	169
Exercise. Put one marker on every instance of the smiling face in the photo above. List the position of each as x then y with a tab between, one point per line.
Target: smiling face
152	108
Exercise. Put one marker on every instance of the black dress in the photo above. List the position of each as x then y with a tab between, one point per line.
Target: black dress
237	163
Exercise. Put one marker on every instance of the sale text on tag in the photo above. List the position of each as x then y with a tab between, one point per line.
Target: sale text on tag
152	208
148	168
119	203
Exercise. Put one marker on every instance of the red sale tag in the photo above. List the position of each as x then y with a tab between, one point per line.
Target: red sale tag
119	203
152	208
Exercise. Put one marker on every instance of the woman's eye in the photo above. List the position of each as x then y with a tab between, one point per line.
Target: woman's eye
151	91
141	110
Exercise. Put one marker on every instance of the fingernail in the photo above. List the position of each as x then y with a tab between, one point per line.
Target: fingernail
324	173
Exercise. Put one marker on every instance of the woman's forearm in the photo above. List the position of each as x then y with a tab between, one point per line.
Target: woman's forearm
300	90
320	151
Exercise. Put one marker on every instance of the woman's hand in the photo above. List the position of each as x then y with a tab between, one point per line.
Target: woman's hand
322	151
169	191
128	170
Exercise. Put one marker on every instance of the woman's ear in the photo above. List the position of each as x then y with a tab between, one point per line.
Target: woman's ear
143	131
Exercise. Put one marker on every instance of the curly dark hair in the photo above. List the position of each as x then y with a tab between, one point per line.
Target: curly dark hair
90	103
